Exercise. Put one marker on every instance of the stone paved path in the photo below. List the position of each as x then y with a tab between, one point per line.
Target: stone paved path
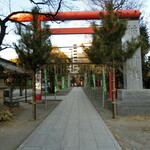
73	125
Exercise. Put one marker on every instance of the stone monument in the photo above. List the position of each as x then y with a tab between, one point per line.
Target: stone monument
133	99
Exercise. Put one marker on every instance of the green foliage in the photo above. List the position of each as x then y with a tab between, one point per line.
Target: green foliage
107	44
144	40
59	57
34	49
5	115
34	46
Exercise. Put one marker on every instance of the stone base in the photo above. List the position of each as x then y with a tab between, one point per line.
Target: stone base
133	102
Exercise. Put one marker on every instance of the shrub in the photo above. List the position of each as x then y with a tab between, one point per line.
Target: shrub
5	115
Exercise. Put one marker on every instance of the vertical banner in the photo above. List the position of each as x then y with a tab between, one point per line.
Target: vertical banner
101	82
98	83
45	80
104	83
94	83
104	86
38	80
85	80
63	82
68	80
110	85
88	82
56	83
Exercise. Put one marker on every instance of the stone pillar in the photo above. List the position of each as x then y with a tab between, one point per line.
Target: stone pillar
133	99
132	67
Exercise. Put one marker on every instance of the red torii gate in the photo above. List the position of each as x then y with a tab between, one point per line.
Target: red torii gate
80	15
75	15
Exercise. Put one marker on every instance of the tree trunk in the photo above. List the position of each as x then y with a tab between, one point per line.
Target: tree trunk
2	31
20	87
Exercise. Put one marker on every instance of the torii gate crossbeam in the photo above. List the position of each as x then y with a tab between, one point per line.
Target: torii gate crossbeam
75	15
58	31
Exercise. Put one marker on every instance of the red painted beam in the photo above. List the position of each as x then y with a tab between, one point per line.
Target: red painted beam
57	31
76	15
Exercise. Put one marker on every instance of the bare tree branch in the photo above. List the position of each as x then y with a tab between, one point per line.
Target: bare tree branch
49	3
118	4
5	47
39	3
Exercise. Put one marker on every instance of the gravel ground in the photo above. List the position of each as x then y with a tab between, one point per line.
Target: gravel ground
132	132
13	133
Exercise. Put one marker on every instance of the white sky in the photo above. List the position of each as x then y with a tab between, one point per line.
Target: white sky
59	40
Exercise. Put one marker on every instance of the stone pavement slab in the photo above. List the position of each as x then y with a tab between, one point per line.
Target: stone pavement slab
73	125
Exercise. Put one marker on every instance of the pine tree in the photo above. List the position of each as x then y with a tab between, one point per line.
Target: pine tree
107	48
144	50
33	49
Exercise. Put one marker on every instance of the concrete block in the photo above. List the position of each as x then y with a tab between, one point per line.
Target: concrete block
133	102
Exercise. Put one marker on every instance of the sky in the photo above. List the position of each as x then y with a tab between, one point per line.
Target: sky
58	40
